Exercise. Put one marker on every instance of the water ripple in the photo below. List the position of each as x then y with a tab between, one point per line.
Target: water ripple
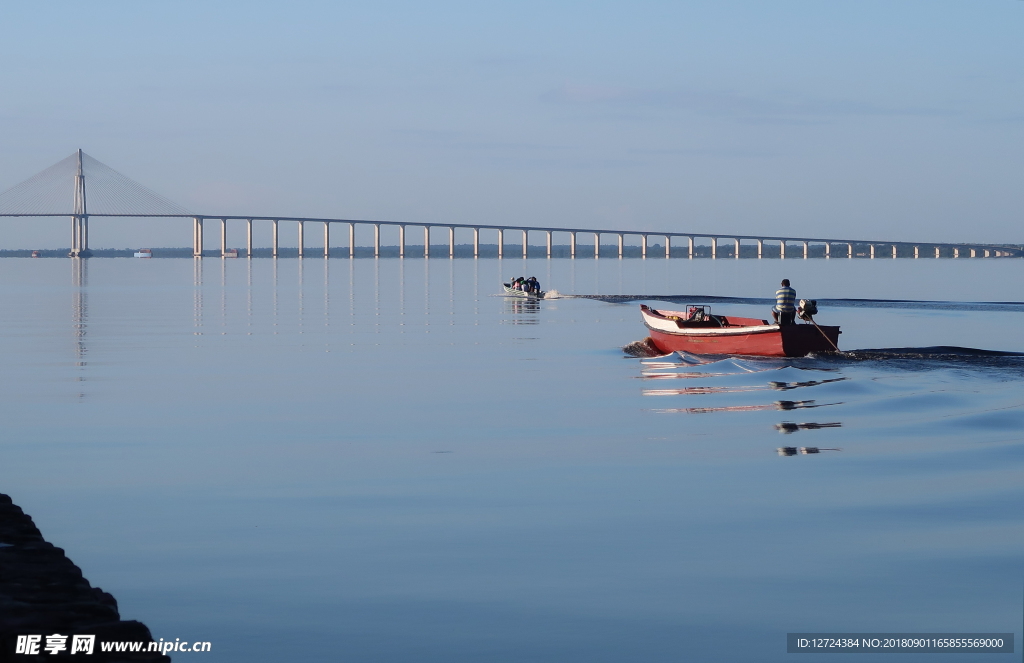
878	396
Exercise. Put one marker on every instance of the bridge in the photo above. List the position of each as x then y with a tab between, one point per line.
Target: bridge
61	191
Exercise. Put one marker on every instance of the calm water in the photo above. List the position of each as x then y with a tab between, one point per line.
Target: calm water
381	461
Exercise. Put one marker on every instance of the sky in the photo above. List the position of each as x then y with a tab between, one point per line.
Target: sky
899	120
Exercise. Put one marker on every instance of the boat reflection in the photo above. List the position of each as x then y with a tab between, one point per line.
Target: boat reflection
777	386
803	451
785	386
679	376
777	405
741	376
788	427
651	365
523	311
699	390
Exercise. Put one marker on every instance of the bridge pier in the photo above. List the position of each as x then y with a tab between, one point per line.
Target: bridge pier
401	241
549	243
690	245
572	243
643	249
849	251
974	253
714	248
805	250
197	237
668	246
828	250
248	238
893	251
501	242
301	242
451	241
782	249
327	239
426	242
525	238
223	237
737	244
351	240
597	245
620	245
872	248
275	237
760	248
476	242
956	252
376	240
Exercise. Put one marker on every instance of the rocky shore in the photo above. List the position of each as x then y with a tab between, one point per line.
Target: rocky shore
43	593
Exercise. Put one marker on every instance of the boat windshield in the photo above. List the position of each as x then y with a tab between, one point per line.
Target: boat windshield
697	313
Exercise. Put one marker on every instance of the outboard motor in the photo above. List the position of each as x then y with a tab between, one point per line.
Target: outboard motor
807	308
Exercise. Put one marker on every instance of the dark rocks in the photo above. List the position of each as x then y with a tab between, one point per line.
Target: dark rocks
43	593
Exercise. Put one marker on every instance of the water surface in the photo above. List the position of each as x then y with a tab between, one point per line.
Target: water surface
379	460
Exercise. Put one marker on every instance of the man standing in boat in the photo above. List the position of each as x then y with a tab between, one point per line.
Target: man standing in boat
784	310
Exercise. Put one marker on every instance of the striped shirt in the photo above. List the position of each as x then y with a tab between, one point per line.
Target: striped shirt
785	299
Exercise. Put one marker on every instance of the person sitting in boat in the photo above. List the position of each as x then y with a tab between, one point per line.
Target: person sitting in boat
534	285
784	311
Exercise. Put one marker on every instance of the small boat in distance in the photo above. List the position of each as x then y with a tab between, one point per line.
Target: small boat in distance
699	332
230	253
144	253
37	254
512	292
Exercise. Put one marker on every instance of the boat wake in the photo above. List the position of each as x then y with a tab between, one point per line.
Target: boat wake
644	348
915	304
934	358
912	358
936	351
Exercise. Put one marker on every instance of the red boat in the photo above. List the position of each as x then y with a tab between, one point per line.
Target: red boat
697	331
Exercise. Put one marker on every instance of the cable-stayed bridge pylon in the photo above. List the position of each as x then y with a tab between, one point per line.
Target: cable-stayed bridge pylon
79	187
